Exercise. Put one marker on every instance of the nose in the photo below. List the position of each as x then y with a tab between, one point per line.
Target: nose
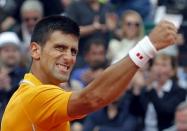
67	56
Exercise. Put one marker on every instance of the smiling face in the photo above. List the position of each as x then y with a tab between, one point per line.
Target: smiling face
55	60
162	69
131	26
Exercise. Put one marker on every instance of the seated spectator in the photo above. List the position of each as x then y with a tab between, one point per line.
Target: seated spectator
7	9
10	71
181	117
157	102
31	13
95	57
96	20
114	117
141	6
132	31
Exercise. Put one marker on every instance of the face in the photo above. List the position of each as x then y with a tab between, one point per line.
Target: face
162	70
30	18
96	55
58	56
10	55
131	26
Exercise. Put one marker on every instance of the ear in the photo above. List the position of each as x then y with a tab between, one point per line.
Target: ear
35	50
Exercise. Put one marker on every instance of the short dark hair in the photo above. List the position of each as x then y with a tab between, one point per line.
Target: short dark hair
45	27
93	41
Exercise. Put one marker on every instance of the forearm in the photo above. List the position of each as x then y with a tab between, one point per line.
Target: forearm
105	89
114	80
87	30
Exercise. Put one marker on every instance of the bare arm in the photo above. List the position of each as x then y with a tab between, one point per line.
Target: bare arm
90	29
87	30
114	80
110	84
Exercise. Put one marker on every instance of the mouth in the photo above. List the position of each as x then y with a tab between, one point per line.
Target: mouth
63	67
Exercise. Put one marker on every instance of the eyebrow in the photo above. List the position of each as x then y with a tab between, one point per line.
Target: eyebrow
58	45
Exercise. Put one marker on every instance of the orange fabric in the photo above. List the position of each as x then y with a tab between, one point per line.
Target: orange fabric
37	107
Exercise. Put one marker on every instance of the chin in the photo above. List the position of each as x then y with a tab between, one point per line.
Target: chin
63	78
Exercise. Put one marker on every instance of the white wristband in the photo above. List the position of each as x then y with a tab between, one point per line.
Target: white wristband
142	52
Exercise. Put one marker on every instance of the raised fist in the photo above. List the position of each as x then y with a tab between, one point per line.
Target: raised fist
163	35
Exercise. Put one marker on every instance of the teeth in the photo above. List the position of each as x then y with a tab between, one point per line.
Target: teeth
62	66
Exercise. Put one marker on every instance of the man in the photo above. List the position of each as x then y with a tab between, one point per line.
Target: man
40	105
95	57
158	100
96	20
31	12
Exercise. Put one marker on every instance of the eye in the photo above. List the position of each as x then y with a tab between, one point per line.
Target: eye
60	48
74	52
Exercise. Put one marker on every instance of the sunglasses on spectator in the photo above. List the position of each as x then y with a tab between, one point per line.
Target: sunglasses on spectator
136	24
27	19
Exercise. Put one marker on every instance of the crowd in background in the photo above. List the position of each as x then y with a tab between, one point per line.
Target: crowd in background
156	97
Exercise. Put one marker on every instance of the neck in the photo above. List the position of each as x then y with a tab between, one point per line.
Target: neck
38	74
45	78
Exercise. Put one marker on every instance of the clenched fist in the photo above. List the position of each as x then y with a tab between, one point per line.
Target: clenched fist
163	35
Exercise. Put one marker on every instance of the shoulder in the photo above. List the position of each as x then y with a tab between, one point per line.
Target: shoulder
114	43
176	89
50	90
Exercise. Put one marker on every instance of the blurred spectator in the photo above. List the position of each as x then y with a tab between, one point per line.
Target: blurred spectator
114	117
31	13
141	6
10	71
132	31
8	6
181	117
95	57
58	7
182	75
7	9
96	20
157	102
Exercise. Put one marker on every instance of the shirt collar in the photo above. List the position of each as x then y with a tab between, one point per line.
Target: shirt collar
30	78
167	86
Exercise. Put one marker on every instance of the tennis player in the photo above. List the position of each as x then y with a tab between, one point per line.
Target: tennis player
40	105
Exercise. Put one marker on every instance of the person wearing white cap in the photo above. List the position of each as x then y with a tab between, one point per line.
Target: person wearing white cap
9	38
9	50
31	12
10	71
